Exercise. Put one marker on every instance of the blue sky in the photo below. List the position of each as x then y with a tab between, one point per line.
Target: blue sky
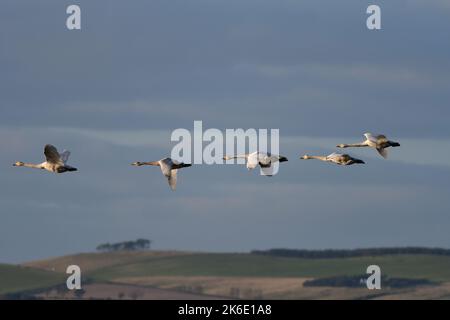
113	92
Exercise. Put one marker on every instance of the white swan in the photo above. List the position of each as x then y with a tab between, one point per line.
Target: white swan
337	158
56	162
379	142
168	167
264	160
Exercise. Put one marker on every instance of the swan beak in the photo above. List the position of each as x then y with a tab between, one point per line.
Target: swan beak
14	165
360	161
283	159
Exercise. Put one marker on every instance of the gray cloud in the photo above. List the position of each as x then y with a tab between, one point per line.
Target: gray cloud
113	92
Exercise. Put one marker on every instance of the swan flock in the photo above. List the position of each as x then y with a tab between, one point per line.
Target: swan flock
57	162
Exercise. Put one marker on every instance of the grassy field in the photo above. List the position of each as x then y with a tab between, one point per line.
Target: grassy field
436	268
89	262
18	278
235	275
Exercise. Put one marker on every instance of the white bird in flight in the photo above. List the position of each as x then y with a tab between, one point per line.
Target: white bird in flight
264	160
55	162
168	167
379	142
337	158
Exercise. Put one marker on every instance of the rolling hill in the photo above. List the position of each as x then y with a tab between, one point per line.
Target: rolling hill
232	275
19	278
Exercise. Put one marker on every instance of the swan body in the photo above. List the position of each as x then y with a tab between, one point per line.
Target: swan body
379	142
55	162
337	158
168	167
264	160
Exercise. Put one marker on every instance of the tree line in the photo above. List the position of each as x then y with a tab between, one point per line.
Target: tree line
349	253
138	245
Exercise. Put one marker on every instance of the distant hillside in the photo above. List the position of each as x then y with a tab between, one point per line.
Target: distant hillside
257	275
349	253
19	278
89	262
435	268
109	266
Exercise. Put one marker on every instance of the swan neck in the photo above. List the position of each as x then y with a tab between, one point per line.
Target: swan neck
32	165
151	163
355	145
318	158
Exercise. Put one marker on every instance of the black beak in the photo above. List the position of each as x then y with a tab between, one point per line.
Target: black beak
359	161
283	159
395	144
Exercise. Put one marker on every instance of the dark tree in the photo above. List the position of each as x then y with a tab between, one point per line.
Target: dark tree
138	245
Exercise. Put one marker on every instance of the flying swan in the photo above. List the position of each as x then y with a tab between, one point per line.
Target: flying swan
168	167
379	142
264	160
337	158
56	162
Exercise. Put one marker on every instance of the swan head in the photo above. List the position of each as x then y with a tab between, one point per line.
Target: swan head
305	157
341	146
18	164
137	163
226	158
282	159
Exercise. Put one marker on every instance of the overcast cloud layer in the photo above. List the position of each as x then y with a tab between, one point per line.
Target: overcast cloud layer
113	92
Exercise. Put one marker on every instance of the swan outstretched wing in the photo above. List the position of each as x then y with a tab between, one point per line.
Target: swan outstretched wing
52	155
334	155
166	166
172	178
383	152
268	171
377	138
371	137
252	161
65	156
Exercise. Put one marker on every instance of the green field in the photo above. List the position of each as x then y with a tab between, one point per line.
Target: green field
18	278
220	274
436	268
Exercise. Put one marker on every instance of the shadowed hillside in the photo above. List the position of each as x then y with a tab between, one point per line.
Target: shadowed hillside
431	267
19	278
131	274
